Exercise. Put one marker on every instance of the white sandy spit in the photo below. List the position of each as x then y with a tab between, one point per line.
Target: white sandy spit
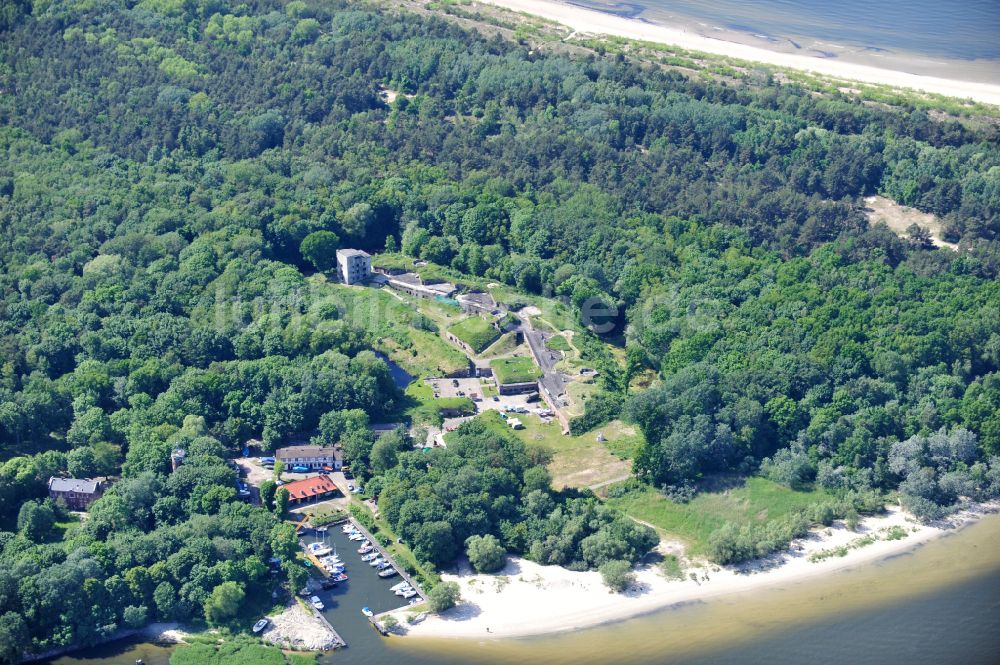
599	23
528	599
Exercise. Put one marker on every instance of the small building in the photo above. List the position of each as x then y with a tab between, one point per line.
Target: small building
309	489
177	458
412	284
381	429
76	493
354	266
313	457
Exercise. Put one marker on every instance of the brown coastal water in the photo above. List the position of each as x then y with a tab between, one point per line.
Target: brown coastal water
939	604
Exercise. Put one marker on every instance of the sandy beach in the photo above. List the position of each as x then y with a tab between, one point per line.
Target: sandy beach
598	23
528	599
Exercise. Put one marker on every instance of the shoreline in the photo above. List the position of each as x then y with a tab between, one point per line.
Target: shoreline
594	22
527	599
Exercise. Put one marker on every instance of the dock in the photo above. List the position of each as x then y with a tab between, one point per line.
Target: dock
382	552
338	641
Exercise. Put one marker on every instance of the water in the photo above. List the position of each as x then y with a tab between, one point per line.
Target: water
399	375
936	606
960	38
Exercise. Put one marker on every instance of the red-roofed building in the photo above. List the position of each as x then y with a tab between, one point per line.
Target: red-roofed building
308	489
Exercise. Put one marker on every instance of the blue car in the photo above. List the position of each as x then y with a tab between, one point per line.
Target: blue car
300	469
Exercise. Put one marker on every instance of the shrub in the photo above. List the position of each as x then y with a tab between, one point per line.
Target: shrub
444	596
617	575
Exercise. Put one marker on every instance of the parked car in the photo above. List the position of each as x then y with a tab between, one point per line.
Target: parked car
454	383
496	398
348	474
350	488
298	468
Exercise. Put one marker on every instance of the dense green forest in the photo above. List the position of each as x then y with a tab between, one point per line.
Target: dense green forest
165	161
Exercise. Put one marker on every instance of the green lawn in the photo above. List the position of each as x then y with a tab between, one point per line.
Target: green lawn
755	500
475	331
515	370
557	343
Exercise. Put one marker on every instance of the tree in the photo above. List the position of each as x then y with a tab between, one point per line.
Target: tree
81	462
35	520
134	616
617	575
165	598
279	468
223	603
390	623
485	553
267	490
435	542
444	596
14	637
320	249
280	501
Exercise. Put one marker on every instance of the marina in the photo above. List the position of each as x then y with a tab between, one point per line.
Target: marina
352	592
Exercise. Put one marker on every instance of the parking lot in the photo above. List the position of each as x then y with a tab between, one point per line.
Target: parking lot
460	387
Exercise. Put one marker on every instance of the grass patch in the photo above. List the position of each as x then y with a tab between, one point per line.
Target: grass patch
239	650
475	331
671	567
576	461
558	343
514	370
506	344
757	500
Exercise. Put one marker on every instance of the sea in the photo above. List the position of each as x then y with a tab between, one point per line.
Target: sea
948	38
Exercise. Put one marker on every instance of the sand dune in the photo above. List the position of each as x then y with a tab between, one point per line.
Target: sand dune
597	23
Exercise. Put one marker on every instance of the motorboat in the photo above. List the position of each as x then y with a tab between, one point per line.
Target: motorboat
376	561
401	591
367	612
317	603
383	565
339	577
409	594
387	572
399	585
356	536
366	548
260	625
369	556
326	585
348	528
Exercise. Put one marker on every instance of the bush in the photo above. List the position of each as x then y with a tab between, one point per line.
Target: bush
444	596
617	575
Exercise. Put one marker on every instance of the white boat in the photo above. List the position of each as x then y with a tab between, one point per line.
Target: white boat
369	556
347	528
405	589
356	536
318	549
317	603
399	585
366	548
376	561
410	594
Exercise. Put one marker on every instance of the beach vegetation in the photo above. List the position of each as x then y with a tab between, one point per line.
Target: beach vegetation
444	596
617	575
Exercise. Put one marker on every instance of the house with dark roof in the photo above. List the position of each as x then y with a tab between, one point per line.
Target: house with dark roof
309	489
76	493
